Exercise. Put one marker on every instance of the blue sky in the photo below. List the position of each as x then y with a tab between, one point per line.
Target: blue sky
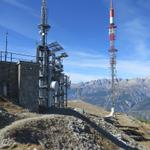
81	26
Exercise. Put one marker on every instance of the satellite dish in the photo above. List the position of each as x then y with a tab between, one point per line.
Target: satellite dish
54	86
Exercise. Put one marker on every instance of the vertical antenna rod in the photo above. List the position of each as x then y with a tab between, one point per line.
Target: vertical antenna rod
6	46
112	52
44	26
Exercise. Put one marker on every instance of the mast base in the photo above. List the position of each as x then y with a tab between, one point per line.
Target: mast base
112	113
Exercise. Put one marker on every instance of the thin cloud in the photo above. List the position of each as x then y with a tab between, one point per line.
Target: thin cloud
133	28
79	77
17	30
138	36
134	68
86	60
126	68
86	55
18	4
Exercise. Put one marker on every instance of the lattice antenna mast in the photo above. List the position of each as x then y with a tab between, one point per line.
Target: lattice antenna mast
112	52
43	58
44	26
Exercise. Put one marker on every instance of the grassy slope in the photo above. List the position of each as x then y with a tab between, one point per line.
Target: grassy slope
89	108
123	119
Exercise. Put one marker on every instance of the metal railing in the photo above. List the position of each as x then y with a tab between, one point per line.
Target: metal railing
15	57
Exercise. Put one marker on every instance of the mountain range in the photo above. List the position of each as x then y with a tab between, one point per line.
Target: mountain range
132	95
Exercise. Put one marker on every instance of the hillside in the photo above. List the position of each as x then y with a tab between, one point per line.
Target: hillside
68	129
135	129
132	95
22	130
89	108
53	132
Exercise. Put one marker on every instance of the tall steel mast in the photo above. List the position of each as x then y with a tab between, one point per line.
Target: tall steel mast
112	51
43	58
52	83
44	26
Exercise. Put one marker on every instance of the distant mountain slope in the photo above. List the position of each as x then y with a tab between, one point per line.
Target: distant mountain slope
132	95
142	106
87	107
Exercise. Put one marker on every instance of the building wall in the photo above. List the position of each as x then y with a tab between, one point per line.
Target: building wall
28	85
9	80
19	83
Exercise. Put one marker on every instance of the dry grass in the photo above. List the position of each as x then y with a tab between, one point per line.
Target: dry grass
123	119
57	131
35	123
10	107
89	108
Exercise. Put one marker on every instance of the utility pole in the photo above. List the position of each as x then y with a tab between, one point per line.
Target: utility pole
6	46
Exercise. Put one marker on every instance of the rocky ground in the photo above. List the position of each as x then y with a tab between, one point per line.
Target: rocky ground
126	128
21	130
53	132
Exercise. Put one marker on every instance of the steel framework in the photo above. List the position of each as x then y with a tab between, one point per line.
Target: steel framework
53	83
112	52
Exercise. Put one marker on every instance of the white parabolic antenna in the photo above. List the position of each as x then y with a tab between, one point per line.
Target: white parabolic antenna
54	86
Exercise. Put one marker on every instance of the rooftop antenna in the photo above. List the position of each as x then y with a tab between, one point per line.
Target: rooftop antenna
112	52
111	4
44	26
6	46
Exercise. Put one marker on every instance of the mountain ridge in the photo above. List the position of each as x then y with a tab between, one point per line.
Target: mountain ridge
132	95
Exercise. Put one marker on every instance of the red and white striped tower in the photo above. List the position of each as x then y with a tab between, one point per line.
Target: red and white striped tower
112	51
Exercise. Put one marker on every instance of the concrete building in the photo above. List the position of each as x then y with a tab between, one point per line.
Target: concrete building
19	83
